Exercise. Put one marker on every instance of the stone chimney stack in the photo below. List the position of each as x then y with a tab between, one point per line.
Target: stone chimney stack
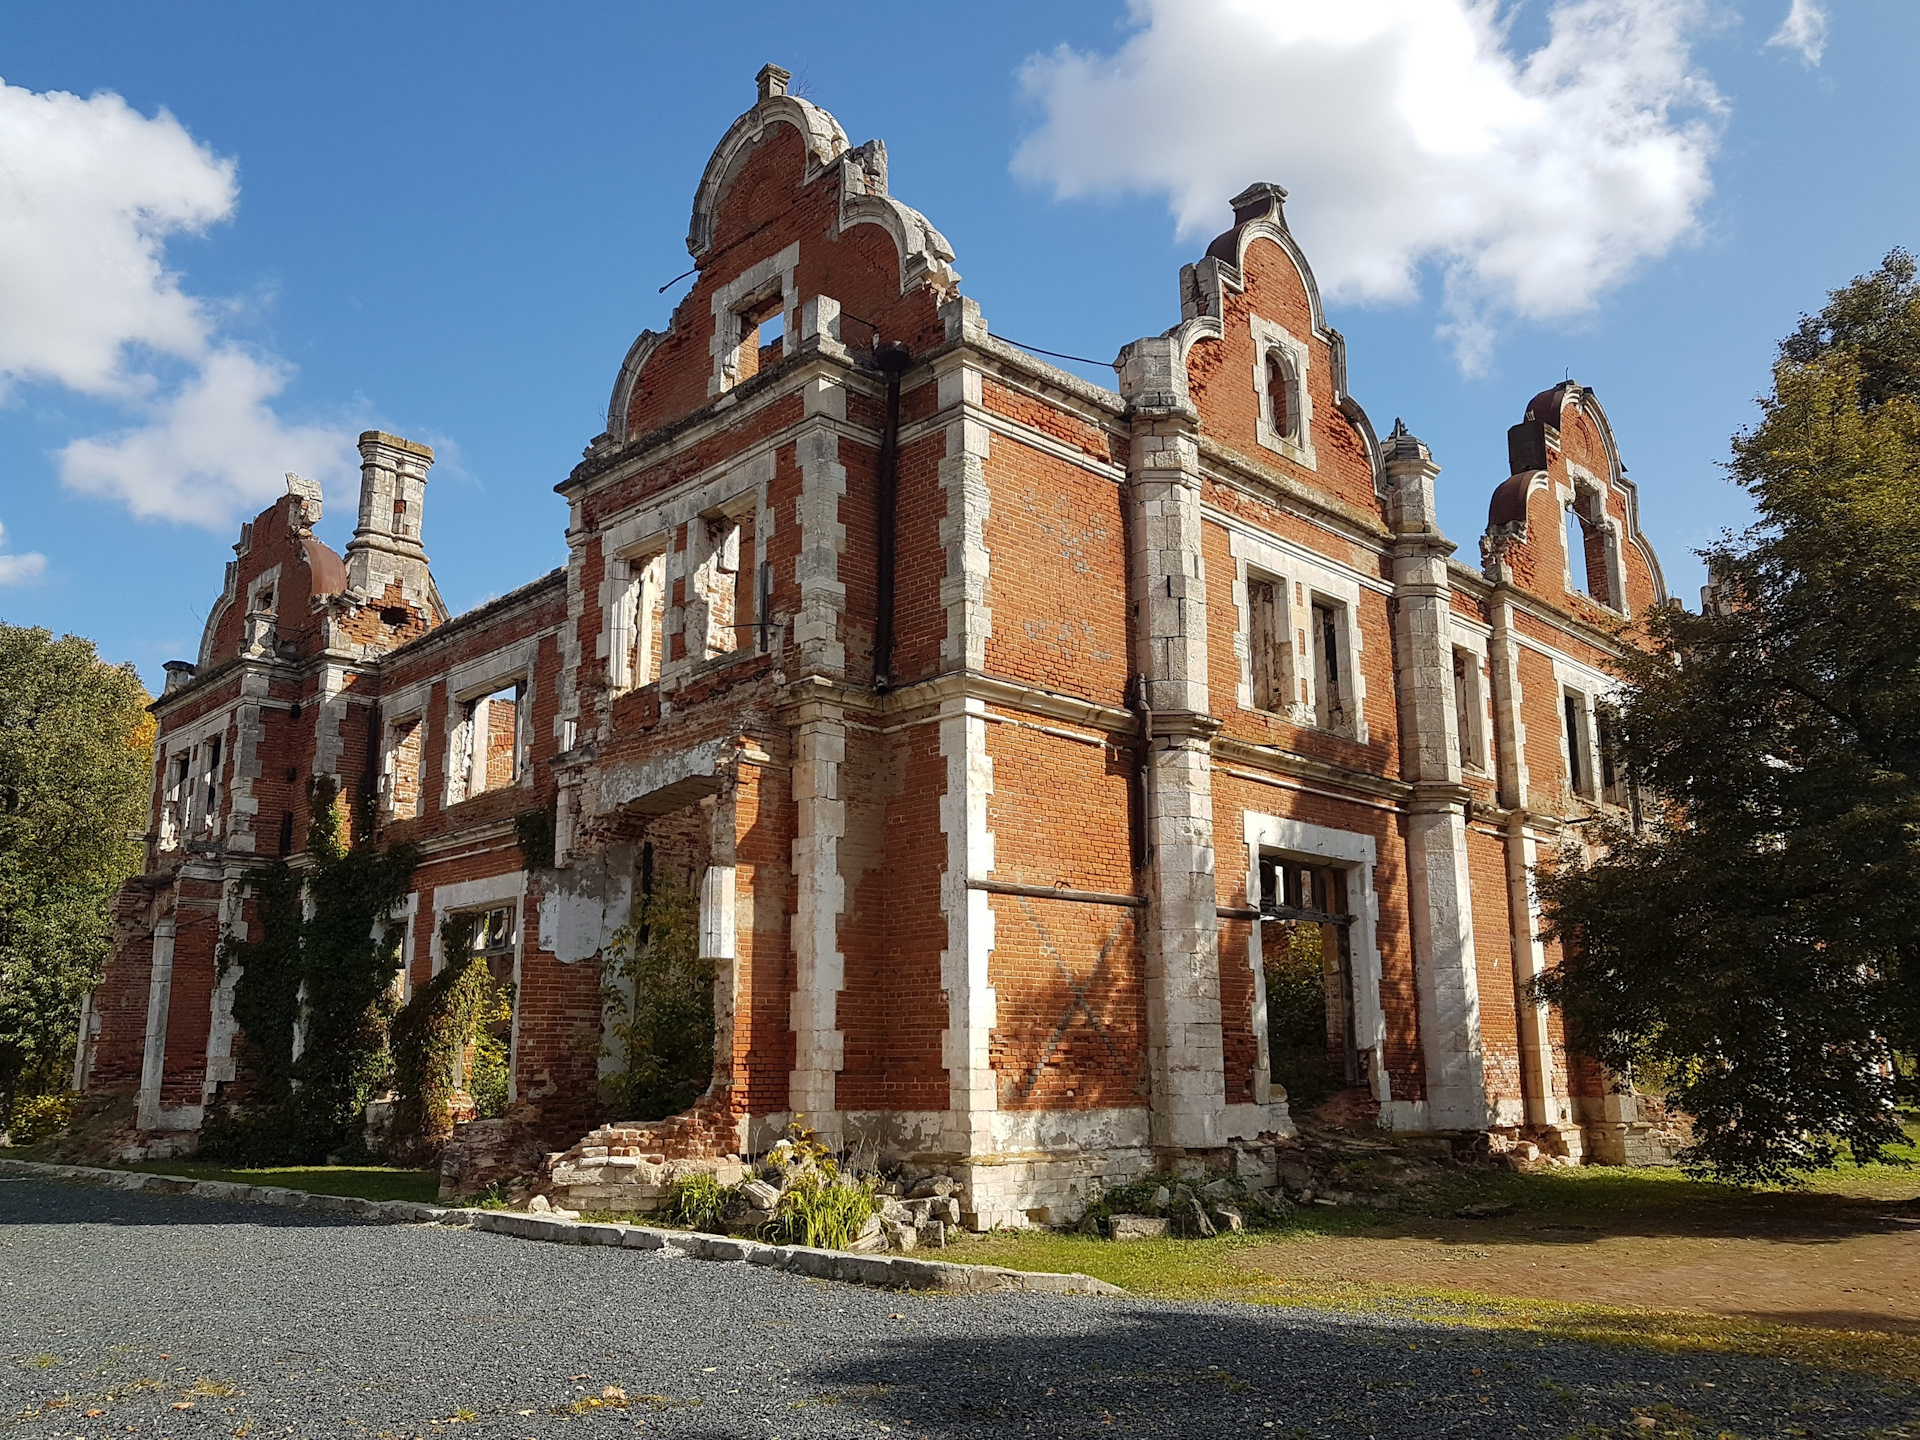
385	549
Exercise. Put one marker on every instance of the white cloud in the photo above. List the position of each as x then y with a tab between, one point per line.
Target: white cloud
210	450
1411	133
1804	29
19	569
90	192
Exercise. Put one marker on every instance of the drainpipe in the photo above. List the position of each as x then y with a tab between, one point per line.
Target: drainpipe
893	358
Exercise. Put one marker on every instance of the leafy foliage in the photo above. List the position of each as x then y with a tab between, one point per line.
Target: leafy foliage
658	993
1297	1016
824	1209
323	965
533	831
698	1201
431	1034
40	1117
75	755
1759	946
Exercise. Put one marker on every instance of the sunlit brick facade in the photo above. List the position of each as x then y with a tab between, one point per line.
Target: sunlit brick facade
1000	719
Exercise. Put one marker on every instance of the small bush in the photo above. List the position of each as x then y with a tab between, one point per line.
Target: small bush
825	1212
40	1117
698	1201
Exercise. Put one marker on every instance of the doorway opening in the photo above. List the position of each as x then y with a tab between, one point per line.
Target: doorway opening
1306	950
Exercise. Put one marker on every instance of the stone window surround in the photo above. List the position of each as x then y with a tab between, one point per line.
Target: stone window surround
408	704
738	488
620	595
759	281
476	680
1294	354
187	741
488	893
1354	852
1583	482
1476	640
1588	687
1291	569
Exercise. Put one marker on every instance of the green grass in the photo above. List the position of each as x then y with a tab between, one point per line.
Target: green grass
365	1182
1216	1270
1606	1200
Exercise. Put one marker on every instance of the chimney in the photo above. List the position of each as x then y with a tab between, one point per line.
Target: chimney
385	549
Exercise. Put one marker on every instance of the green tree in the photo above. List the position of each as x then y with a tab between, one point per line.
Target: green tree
1757	947
75	750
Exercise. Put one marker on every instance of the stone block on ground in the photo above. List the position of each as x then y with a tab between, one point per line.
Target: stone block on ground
1137	1227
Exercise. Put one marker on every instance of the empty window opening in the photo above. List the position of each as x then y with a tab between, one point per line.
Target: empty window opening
1306	953
1280	407
1613	774
1268	650
209	809
490	745
1329	678
486	1061
1579	769
401	776
399	515
1589	541
759	338
179	799
1467	709
286	832
263	600
640	624
725	588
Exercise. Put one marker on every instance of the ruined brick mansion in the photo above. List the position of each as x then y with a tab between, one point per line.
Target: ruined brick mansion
1001	721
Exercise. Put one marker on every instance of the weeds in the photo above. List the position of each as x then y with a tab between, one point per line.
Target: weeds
827	1212
698	1201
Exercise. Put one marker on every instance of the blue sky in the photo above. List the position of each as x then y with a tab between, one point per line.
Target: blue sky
450	222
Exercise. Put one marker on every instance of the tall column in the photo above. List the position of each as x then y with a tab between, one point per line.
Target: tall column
1438	882
1167	579
153	1063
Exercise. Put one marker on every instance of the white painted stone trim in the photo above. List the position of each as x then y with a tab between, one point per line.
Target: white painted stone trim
1297	447
775	271
1357	854
972	1005
1303	578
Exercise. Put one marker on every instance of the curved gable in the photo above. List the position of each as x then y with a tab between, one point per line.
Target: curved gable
1563	458
787	213
1256	329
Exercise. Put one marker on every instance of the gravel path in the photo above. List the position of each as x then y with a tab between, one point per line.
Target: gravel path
117	1309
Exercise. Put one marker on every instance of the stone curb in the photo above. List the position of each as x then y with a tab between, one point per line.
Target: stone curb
893	1272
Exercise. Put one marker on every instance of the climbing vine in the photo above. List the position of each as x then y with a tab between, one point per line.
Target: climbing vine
450	1019
659	1000
319	964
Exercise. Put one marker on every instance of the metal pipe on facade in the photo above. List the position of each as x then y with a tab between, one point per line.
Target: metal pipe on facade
893	358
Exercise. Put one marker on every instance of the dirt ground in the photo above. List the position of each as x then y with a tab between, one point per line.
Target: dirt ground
1840	1262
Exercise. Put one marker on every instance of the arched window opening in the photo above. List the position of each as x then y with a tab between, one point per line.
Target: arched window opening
1589	550
1279	396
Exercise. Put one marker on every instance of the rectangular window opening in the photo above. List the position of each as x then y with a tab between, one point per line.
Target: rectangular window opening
1329	678
401	777
1578	777
1267	648
640	623
1613	775
1467	708
493	738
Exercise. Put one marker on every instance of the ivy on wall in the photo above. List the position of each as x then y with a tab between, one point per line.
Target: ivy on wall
451	1018
318	967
